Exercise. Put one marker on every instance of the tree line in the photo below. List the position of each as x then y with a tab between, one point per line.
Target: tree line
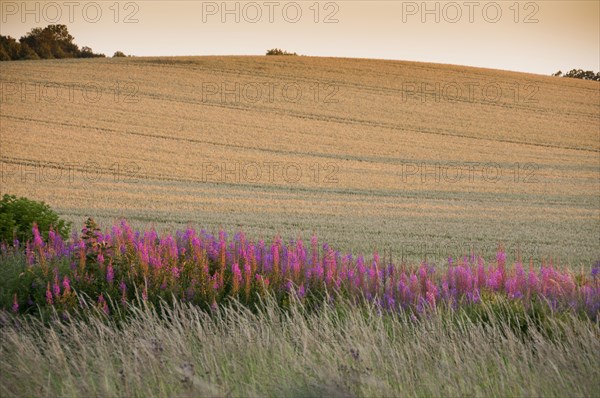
580	74
51	42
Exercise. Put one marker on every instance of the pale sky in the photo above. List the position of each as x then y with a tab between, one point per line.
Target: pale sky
529	36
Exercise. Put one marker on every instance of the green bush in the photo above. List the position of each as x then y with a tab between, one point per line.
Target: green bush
580	74
119	54
277	51
17	216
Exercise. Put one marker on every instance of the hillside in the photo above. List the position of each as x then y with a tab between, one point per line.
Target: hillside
370	149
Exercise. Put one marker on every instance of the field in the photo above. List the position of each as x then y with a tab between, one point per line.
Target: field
474	158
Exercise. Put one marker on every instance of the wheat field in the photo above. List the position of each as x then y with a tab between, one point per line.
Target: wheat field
427	160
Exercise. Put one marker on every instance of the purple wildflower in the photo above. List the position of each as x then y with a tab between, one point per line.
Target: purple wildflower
103	304
56	288
596	270
110	274
49	299
301	292
66	283
15	306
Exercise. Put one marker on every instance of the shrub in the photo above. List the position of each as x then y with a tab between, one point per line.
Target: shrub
579	74
119	54
51	42
277	51
17	216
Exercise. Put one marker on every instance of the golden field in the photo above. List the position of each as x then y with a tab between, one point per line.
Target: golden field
371	160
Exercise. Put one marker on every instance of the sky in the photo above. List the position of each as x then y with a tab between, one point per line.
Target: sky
529	36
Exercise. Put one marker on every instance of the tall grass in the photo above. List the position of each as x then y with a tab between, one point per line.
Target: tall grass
340	351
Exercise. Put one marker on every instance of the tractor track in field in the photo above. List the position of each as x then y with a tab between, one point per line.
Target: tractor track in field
532	199
365	123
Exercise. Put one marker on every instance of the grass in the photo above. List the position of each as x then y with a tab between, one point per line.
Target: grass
337	351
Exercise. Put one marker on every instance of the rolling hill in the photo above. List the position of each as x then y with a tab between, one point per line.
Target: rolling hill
414	159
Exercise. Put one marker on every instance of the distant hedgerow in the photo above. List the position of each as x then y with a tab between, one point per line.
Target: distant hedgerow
277	51
579	74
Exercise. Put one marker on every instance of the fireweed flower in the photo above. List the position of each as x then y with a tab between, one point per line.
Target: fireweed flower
66	283
430	297
288	286
391	303
49	299
596	270
37	238
29	254
110	274
216	263
301	292
103	304
275	255
56	287
314	243
51	238
501	257
15	306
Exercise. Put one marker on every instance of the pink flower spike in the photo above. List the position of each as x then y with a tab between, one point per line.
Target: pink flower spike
37	238
49	299
110	274
103	304
66	284
15	306
56	288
